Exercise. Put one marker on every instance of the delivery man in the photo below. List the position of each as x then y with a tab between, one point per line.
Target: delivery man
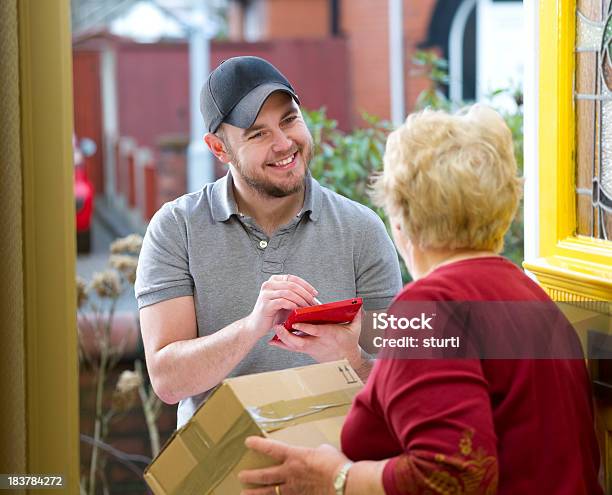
219	268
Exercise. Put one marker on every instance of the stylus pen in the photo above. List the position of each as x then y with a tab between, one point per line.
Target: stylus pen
317	301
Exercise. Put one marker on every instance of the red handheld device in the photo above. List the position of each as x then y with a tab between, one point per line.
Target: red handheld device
335	312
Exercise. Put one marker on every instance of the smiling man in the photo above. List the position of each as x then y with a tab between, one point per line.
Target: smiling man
220	268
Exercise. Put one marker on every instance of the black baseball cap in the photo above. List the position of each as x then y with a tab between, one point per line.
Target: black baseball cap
236	90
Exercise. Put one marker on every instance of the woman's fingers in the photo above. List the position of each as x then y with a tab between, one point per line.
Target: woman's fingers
272	448
265	476
264	490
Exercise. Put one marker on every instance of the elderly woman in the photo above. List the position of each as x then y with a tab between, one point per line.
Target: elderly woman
460	426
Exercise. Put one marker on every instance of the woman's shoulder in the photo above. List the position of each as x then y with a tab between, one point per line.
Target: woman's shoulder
436	286
486	278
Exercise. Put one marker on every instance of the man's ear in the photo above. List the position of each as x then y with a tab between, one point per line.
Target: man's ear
217	147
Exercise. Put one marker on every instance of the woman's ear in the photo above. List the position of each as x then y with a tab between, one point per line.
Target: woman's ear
217	147
396	228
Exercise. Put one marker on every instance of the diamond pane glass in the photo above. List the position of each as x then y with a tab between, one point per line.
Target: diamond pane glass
593	105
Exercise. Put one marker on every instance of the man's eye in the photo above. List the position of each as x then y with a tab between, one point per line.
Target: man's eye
256	135
290	119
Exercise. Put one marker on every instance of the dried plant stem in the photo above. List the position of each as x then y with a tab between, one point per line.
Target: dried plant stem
151	408
101	377
96	351
100	427
105	489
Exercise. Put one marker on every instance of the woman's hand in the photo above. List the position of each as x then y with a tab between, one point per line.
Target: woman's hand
302	471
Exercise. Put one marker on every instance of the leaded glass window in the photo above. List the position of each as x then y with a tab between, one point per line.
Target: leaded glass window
593	104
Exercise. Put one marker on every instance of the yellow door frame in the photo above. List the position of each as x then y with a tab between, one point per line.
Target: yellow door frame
51	367
570	267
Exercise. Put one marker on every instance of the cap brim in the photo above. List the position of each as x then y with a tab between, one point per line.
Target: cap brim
245	113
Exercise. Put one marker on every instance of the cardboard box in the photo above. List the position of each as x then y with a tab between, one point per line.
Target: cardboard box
301	406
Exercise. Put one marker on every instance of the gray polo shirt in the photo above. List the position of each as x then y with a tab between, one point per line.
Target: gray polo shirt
200	246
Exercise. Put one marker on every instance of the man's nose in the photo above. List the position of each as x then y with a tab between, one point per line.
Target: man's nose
281	142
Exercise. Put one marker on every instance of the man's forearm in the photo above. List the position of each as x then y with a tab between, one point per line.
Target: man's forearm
189	367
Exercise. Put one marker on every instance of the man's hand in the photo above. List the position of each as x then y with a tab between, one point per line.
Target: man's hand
324	342
278	296
303	471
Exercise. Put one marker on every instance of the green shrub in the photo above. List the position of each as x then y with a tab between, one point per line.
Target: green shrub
435	68
344	162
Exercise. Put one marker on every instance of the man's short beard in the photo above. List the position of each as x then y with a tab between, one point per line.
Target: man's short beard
271	190
268	189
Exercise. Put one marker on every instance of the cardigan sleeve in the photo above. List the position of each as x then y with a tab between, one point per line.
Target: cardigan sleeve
440	412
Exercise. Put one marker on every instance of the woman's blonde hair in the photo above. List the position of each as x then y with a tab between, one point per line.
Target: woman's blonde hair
451	180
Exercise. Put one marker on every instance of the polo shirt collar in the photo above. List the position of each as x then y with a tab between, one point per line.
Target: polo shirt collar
223	203
312	198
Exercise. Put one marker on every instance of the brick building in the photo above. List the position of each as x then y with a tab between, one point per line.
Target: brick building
336	52
363	23
447	26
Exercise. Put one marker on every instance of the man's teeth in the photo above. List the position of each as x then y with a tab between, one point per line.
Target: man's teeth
286	161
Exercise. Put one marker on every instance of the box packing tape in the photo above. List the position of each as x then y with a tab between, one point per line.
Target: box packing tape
215	464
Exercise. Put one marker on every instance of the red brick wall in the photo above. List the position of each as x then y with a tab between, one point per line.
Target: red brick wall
171	172
365	24
297	19
153	90
170	175
88	110
153	81
284	19
417	17
318	69
235	21
154	99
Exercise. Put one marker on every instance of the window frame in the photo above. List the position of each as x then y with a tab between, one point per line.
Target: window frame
570	267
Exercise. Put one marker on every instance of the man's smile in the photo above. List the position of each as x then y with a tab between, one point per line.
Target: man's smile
286	163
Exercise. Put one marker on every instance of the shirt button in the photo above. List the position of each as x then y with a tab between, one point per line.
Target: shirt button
263	244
